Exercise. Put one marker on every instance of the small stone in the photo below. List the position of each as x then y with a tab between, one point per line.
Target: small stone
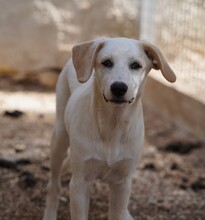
23	161
164	206
180	147
183	186
198	185
7	163
150	166
13	114
27	180
63	199
19	148
174	166
150	152
45	168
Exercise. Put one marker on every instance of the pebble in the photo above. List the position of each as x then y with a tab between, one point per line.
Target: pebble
63	199
150	166
164	206
23	161
19	148
8	163
198	185
13	163
27	180
174	166
180	147
150	152
13	114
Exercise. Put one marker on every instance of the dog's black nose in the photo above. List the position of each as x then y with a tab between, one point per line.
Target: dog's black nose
118	89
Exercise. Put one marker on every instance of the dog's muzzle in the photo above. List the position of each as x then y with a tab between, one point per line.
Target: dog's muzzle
118	90
119	100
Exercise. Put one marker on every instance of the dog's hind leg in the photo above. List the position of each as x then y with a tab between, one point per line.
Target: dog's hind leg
58	151
59	145
66	167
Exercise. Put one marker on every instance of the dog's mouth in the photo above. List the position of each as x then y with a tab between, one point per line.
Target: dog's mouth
119	101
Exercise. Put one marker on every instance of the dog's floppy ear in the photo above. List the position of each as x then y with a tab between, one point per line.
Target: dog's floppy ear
159	61
83	56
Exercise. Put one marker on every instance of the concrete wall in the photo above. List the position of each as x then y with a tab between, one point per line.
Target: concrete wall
37	33
172	103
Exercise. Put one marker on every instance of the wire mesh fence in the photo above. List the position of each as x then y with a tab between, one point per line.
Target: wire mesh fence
178	29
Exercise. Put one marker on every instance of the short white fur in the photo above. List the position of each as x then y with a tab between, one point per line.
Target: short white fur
105	138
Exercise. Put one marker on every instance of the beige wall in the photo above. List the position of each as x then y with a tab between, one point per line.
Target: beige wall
182	109
36	33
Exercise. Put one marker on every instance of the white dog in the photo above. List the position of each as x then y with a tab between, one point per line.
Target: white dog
99	115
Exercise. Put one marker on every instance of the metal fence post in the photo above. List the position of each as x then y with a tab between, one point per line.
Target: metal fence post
147	20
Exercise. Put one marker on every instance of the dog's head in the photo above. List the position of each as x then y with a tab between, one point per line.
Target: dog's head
121	66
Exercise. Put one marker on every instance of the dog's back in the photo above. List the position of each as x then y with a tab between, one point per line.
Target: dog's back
66	85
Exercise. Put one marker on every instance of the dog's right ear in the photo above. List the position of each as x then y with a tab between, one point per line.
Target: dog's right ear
83	56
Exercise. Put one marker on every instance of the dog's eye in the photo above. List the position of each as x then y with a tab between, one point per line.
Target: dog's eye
107	63
135	66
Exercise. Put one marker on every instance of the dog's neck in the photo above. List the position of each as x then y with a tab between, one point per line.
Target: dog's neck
111	117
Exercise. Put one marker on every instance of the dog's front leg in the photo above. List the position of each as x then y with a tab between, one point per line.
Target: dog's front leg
119	199
79	198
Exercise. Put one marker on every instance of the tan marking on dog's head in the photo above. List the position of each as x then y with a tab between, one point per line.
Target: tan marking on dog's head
83	56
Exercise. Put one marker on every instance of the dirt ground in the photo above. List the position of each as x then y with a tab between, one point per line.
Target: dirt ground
169	183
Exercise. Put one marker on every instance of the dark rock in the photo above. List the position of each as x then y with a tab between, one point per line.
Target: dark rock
185	180
198	185
27	180
23	161
45	168
184	183
150	166
8	163
13	163
174	166
180	147
183	186
13	114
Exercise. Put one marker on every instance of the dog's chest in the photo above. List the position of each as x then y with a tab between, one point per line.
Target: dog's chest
116	172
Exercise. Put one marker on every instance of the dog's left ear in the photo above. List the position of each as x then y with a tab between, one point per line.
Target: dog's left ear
83	56
159	61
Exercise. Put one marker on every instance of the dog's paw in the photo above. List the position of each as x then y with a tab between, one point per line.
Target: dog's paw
129	217
50	215
126	216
